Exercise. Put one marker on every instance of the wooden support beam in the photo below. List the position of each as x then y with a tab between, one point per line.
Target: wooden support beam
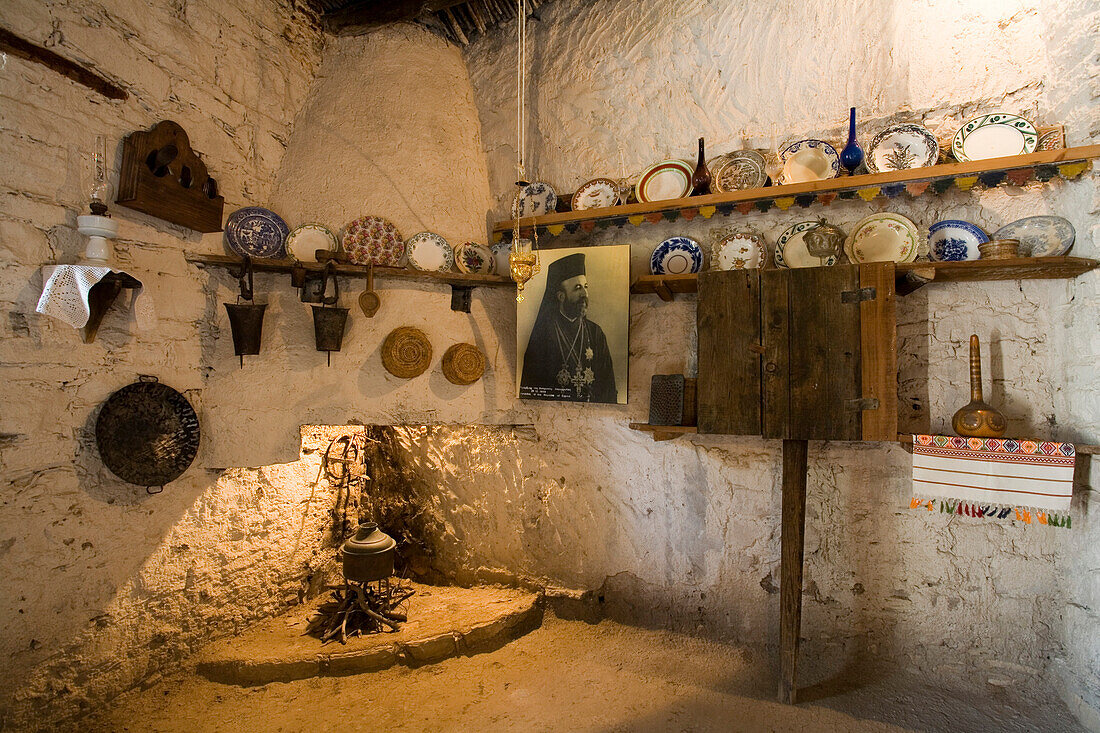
362	15
24	49
790	598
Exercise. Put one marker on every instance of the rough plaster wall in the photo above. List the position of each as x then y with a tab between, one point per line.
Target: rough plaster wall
104	585
691	527
365	144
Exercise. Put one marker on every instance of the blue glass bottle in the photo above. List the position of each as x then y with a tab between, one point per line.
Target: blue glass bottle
852	154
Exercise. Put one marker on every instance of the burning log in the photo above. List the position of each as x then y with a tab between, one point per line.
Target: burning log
356	609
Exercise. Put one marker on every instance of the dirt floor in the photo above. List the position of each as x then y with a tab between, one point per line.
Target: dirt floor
571	676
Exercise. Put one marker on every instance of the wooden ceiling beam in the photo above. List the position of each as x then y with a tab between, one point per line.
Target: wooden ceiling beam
361	16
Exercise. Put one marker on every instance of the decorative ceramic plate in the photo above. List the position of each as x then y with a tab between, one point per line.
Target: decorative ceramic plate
474	259
596	194
372	239
1040	236
882	238
790	248
676	256
809	160
994	135
901	147
741	170
304	240
429	252
502	265
1051	138
955	240
739	251
256	232
534	199
668	180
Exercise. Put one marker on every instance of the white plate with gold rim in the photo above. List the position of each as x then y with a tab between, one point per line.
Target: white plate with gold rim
882	238
599	193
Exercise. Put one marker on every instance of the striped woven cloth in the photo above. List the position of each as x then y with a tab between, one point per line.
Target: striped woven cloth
989	472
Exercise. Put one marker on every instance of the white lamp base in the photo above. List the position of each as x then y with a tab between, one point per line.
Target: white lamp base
100	230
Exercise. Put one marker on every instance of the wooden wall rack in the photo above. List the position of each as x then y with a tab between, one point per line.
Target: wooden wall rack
1017	170
912	275
461	283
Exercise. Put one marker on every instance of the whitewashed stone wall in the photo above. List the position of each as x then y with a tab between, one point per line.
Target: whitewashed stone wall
104	585
688	530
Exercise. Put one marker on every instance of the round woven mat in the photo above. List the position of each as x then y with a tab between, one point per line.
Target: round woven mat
463	364
406	352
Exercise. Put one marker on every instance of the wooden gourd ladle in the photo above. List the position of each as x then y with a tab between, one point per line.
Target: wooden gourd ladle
977	419
368	299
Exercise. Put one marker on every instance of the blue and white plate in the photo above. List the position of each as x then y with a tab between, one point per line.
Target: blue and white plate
256	232
534	199
954	240
1040	236
676	256
809	160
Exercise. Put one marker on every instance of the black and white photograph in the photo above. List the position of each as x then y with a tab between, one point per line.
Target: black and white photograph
572	326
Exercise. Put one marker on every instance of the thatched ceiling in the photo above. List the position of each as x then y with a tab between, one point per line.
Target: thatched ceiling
457	20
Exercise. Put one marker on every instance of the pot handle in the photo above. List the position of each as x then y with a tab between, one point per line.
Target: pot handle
330	269
247	290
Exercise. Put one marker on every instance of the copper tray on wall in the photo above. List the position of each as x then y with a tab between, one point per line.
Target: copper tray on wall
147	433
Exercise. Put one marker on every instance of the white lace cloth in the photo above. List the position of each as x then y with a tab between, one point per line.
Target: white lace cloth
65	295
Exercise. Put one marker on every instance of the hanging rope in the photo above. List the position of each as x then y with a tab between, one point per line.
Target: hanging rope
521	88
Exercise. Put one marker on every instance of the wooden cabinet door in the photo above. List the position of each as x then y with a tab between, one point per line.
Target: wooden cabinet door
806	354
728	328
830	370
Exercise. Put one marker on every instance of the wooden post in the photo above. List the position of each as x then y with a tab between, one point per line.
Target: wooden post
790	598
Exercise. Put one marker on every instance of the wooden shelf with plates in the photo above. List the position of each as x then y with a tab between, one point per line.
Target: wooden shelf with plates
1014	170
447	278
915	274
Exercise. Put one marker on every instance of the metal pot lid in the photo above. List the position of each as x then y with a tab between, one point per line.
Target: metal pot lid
147	433
369	540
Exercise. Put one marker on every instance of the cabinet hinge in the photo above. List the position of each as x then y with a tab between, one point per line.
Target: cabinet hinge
863	403
856	296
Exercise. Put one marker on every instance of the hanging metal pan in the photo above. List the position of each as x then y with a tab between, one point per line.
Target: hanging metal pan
147	433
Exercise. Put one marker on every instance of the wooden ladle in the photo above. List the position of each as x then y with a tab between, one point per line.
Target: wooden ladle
368	299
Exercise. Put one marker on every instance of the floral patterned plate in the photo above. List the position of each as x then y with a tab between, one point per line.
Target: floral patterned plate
900	147
1040	236
534	199
256	232
474	259
739	251
429	252
955	240
882	238
372	239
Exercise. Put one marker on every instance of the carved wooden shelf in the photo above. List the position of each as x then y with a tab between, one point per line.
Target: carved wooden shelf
1014	170
449	278
917	273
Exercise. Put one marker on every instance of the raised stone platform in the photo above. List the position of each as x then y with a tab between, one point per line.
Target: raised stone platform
443	622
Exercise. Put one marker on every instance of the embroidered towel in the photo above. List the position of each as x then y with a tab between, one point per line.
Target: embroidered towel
1000	471
65	295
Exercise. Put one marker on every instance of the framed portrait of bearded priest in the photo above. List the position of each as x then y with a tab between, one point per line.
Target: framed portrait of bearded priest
572	326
